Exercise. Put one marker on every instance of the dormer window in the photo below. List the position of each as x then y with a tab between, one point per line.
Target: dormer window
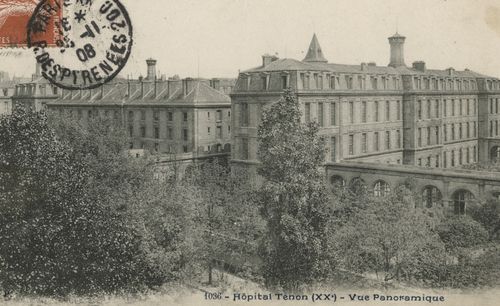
285	81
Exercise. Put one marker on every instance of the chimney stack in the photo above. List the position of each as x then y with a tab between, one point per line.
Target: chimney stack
151	69
268	59
419	65
397	50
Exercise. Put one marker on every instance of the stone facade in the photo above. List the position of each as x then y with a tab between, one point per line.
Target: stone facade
387	114
175	118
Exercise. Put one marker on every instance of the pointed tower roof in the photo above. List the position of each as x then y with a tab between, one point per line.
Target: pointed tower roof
314	54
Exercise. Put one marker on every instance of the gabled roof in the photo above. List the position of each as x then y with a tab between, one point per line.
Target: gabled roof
314	53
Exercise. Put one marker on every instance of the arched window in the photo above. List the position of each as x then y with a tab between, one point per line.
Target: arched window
337	181
381	188
460	200
431	196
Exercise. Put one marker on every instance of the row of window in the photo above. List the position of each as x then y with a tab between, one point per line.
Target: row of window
375	140
427	83
334	81
156	132
493	105
451	107
494	128
465	130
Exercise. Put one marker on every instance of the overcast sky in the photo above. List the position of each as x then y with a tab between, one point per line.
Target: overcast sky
220	37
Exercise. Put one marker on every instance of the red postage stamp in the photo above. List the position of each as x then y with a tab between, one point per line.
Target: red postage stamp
14	18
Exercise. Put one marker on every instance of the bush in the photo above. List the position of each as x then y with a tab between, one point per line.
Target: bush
56	236
460	232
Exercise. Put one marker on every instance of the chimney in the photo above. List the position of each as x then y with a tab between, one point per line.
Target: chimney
363	66
268	59
187	85
397	50
451	71
419	65
151	69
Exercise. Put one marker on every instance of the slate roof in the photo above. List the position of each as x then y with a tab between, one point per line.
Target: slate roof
315	61
117	94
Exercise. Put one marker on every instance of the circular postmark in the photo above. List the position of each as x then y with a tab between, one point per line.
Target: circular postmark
80	44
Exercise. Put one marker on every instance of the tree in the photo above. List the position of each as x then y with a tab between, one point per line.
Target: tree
390	236
226	214
65	226
488	214
292	196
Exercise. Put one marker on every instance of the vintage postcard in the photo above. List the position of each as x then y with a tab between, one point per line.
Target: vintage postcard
249	152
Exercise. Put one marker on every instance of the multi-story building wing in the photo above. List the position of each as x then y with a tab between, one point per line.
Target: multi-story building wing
183	118
389	114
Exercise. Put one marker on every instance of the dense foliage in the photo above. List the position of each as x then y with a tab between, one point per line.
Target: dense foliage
293	197
56	236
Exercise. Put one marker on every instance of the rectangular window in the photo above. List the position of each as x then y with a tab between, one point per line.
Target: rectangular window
170	133
419	137
398	138
452	131
184	148
460	156
284	82
445	131
143	115
468	129
398	110
264	82
428	135
453	158
376	145
474	129
348	80
468	107
420	162
305	83
219	132
387	111
219	115
474	153
437	134
156	115
387	140
429	114
170	116
244	148
307	112
244	114
491	106
445	103
363	143
320	82
437	161
460	105
208	131
143	131
185	134
460	131
157	132
491	128
185	116
467	157
445	160
333	149
333	111
131	130
428	164
419	109
332	82
436	108
452	107
351	112
351	144
320	114
363	111
376	111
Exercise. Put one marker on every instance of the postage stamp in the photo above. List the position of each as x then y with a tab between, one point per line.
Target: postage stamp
93	41
14	17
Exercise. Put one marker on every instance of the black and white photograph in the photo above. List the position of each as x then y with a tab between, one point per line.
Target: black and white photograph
249	152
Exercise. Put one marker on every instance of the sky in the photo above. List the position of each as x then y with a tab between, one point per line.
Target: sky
217	38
